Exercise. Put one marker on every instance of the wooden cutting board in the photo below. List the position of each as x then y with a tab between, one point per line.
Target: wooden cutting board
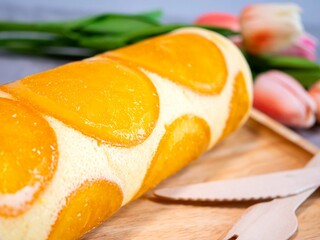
261	146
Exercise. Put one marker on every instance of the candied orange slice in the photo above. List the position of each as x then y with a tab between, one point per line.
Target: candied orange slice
239	105
28	156
185	139
185	58
101	98
86	208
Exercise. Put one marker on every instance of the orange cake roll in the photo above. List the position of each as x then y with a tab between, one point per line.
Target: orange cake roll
81	140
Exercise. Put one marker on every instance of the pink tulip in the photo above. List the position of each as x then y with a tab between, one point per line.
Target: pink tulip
304	47
237	40
314	91
270	28
223	20
284	99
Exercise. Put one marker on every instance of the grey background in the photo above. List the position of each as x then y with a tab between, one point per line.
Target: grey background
13	67
181	10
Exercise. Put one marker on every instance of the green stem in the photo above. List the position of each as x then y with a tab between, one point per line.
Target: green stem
17	42
63	52
17	26
31	27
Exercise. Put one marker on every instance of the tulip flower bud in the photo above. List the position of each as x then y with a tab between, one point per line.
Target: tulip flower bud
314	91
270	28
284	99
223	20
304	47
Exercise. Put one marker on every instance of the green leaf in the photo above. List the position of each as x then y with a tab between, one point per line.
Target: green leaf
109	42
280	62
99	33
293	62
64	52
155	31
154	15
149	32
116	25
102	43
305	77
95	24
305	71
26	42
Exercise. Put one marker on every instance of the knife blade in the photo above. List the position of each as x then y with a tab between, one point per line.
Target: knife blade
259	187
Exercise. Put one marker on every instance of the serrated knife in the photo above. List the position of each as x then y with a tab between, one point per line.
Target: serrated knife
266	186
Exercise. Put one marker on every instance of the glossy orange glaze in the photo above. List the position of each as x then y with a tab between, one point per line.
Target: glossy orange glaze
86	208
185	58
185	140
239	105
101	98
28	154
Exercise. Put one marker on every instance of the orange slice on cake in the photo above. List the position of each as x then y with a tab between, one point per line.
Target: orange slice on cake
239	105
187	59
185	140
85	208
104	99
28	156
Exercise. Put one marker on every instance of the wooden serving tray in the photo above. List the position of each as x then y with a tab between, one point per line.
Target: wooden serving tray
261	146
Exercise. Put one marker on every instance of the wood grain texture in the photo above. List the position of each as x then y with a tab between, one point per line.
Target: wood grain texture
261	146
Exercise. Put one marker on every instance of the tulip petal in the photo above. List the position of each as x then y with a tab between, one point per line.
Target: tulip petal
314	92
224	20
269	28
294	87
304	47
283	99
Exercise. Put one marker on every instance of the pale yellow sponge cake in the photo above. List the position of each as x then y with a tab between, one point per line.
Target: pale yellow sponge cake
81	140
